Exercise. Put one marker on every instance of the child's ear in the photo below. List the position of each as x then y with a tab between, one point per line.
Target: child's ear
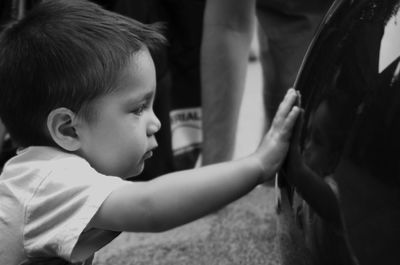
61	126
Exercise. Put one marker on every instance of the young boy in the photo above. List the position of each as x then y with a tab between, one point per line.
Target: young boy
77	88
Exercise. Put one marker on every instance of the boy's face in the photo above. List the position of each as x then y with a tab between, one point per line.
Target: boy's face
121	136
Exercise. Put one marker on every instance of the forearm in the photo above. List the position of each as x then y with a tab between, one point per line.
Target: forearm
177	198
185	196
226	42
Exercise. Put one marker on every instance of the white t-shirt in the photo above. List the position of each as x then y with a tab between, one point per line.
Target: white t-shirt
47	198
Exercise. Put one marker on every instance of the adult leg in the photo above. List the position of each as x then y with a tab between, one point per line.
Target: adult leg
285	32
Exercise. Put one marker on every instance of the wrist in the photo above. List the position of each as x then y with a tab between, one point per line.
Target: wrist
258	168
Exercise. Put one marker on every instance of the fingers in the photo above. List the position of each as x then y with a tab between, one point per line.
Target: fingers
287	110
291	119
291	98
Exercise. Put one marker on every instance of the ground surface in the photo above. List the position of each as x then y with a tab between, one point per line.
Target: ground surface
242	233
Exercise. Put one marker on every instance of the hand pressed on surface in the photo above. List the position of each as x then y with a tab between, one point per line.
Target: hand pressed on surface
275	144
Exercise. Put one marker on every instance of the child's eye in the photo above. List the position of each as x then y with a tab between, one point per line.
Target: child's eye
140	109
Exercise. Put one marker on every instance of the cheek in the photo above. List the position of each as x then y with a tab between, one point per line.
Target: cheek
132	142
124	131
122	143
134	134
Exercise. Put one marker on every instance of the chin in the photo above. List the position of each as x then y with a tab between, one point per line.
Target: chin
134	172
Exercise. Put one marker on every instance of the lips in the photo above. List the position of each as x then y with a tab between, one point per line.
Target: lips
148	154
152	145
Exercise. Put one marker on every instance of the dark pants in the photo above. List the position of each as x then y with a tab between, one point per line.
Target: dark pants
285	31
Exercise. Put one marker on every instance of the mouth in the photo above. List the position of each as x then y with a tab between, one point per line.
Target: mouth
147	155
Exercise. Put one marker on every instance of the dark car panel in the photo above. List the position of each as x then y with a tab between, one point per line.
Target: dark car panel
350	86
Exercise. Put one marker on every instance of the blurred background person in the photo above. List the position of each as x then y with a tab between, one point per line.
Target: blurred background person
285	30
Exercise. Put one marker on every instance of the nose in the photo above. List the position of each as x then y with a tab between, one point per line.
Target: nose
154	125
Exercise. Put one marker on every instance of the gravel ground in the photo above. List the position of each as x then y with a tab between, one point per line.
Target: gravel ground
242	233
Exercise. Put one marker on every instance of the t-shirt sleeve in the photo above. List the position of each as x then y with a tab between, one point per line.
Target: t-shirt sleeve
62	206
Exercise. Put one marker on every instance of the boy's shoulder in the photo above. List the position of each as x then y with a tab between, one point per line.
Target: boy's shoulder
33	167
41	168
42	160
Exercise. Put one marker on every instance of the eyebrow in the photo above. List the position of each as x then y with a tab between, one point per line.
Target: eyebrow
144	96
149	95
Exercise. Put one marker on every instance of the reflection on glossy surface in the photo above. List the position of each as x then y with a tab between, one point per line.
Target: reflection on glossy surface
351	90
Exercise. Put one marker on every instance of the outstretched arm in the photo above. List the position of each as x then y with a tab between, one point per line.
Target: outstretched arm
181	197
227	35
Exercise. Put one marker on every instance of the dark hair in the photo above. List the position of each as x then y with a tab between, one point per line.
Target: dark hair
63	54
